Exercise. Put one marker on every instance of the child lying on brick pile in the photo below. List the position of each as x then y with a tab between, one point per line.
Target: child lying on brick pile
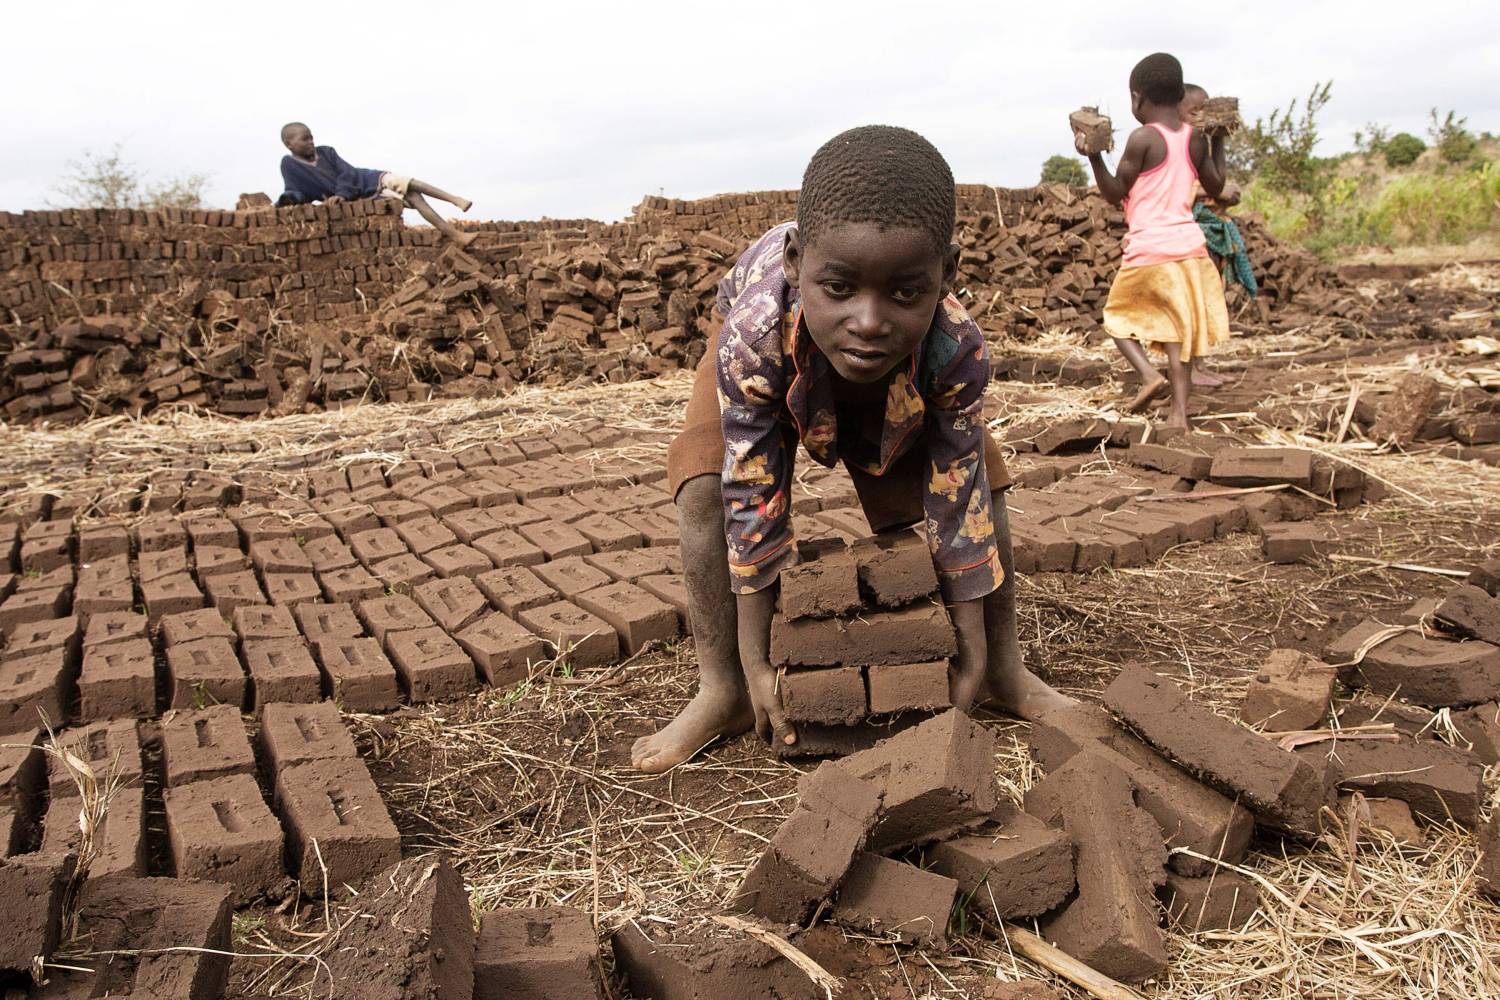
317	173
838	331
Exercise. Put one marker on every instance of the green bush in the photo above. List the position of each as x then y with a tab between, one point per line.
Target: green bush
1436	208
1454	142
1402	150
1064	170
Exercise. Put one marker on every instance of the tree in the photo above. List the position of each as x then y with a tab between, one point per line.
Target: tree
1403	149
1064	170
1454	142
1281	147
108	180
1372	139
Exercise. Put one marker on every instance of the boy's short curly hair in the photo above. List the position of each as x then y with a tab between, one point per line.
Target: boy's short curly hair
1158	78
881	174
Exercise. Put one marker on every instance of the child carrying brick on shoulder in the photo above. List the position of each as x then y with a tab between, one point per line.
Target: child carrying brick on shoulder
1168	294
837	332
310	173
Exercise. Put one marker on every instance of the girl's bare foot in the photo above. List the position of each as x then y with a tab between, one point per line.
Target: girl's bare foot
1177	422
708	717
1024	695
1149	392
1207	380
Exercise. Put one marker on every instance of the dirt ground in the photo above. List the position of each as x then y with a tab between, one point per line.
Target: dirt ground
530	789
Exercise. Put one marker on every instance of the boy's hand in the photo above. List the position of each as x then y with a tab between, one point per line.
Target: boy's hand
332	199
966	674
755	612
1080	143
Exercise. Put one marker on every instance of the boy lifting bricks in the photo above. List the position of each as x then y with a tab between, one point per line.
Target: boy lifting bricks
837	331
317	173
1168	295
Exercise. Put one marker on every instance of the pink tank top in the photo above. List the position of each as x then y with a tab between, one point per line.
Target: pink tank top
1159	207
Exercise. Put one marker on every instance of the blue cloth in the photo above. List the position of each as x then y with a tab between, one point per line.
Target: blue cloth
1224	239
331	175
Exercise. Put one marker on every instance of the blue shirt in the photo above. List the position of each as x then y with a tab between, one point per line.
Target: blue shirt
308	182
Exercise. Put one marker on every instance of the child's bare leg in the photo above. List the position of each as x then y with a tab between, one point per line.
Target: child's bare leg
1152	383
1180	373
722	705
422	187
415	200
1008	685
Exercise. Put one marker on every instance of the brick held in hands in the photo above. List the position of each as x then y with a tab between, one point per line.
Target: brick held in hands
335	802
896	898
1220	114
910	635
1110	924
430	664
637	615
1433	672
1472	612
1436	780
812	850
832	695
1208	902
359	676
118	681
821	587
568	630
536	953
1291	691
1262	467
902	687
895	569
936	779
1282	789
34	888
220	830
1017	866
1097	130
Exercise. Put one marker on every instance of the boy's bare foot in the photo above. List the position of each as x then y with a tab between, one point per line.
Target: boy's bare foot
706	718
1024	695
1149	391
464	204
1207	380
1177	422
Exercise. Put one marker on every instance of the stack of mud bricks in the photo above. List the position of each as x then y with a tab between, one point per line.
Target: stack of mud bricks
862	641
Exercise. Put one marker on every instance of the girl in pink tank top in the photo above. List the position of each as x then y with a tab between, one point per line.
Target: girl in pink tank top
1168	295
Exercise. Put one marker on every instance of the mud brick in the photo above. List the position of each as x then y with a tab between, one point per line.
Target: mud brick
470	525
1432	672
1290	543
1229	517
151	566
513	515
205	671
27	606
458	561
22	767
670	588
914	634
288	589
1262	467
1291	691
571	576
189	626
817	740
43	555
372	547
383	615
328	554
335	803
901	687
568	630
282	669
1189	463
502	649
828	585
410	487
424	534
1471	612
100	541
1158	535
1282	789
895	569
1083	434
633	564
360	678
111	749
1098	547
848	524
508	548
564	509
430	664
157	533
1038	507
1420	611
121	840
352	583
347	516
556	540
46	636
97	596
1110	924
1486	577
484	491
296	733
260	526
217	560
1437	781
403	573
813	849
608	533
536	953
221	830
445	499
206	528
1365	708
1263	508
1041	549
937	778
363	474
332	620
233	590
61	578
506	453
1194	522
1096	129
1208	903
1487	873
205	743
1190	815
1016	866
514	589
263	621
34	888
118	681
670	965
1480	728
34	686
655	527
835	695
453	604
280	555
1391	817
895	898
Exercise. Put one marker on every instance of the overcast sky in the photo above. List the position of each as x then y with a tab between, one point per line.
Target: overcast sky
576	109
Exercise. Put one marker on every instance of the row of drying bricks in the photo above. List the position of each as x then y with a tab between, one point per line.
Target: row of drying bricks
219	826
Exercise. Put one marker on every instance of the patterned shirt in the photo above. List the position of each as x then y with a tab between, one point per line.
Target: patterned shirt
774	383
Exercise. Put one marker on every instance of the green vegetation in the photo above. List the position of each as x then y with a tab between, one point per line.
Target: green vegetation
1403	150
1064	170
108	180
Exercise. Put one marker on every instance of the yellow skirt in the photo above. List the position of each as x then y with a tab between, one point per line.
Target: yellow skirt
1179	302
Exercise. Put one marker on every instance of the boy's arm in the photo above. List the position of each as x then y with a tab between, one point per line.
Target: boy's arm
346	181
1208	159
1114	187
290	194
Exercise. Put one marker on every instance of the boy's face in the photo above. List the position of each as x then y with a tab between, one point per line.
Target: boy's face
868	293
300	142
1191	107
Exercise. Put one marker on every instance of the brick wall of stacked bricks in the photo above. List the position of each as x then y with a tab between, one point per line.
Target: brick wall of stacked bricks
280	310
